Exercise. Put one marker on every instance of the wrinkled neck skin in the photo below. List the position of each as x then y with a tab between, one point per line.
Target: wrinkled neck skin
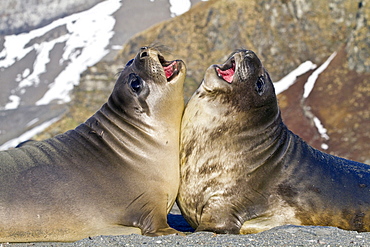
264	143
141	136
256	139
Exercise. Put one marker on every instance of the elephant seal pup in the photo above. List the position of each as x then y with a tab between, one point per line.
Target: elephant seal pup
243	171
117	173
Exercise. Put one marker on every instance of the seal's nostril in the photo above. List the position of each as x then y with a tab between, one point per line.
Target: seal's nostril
144	54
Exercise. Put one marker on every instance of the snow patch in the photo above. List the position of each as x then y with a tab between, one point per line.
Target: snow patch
324	146
100	24
290	79
87	40
320	128
312	79
26	73
27	135
116	47
308	86
42	59
14	102
179	7
322	131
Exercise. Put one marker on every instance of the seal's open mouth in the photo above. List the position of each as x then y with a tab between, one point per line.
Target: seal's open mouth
227	70
171	69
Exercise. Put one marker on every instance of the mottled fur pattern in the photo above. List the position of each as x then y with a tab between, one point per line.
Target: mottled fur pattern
243	171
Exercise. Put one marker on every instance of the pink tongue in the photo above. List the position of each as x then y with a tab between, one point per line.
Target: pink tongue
227	75
169	70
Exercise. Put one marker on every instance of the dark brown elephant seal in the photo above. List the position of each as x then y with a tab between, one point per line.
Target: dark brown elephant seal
243	171
117	173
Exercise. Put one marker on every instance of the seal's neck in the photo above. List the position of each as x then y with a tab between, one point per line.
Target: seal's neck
109	119
118	132
265	143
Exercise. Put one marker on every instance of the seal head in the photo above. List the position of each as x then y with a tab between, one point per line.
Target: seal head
241	83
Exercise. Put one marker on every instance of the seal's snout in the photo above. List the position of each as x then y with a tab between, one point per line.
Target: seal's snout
251	60
248	64
155	59
227	70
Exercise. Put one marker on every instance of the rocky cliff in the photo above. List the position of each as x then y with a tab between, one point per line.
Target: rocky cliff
284	34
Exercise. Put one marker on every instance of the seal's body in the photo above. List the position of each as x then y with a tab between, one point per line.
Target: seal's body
243	171
117	173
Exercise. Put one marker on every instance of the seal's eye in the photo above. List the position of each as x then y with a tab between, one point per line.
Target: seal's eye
135	82
260	85
129	62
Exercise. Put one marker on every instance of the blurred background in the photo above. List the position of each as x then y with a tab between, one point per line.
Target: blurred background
59	59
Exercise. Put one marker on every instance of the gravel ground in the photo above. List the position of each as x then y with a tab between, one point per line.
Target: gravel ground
280	236
288	235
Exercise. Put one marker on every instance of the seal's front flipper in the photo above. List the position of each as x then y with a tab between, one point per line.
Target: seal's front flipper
219	221
164	231
154	221
257	225
267	222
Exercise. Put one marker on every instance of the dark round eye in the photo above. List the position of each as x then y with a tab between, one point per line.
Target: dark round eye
260	85
135	82
129	62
